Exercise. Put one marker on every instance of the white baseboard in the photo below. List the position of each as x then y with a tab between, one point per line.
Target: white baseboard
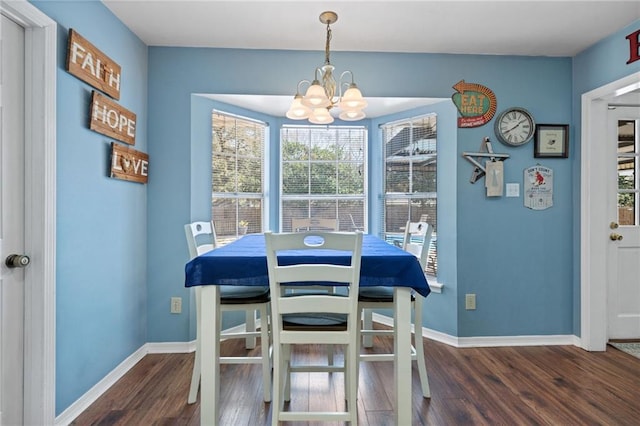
488	341
75	409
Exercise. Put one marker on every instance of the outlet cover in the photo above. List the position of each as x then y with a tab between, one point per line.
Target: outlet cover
470	302
176	305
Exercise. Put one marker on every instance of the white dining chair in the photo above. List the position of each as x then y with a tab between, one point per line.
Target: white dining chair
307	318
201	238
371	298
314	224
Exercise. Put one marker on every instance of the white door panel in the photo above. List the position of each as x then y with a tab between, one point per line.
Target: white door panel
12	222
623	253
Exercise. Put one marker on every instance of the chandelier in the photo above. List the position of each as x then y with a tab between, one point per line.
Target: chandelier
321	94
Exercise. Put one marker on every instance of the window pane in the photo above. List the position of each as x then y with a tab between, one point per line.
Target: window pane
410	150
249	175
295	178
350	178
237	176
323	178
628	188
293	209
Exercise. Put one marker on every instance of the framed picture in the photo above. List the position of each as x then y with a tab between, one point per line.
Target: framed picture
551	141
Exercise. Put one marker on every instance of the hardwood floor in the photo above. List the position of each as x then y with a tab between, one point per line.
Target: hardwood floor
546	385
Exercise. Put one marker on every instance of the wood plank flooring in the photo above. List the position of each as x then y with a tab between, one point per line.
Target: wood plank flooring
545	385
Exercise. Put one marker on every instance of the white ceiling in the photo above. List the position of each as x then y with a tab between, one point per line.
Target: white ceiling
532	28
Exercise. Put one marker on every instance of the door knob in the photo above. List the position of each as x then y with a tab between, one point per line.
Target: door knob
613	225
17	261
615	237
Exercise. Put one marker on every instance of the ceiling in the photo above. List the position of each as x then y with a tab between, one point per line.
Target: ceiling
531	28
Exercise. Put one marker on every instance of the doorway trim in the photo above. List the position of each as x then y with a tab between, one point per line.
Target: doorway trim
40	209
593	212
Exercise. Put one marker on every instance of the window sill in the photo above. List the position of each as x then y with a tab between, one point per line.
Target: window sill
436	287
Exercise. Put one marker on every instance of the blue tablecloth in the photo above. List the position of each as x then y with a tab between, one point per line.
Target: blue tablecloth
244	262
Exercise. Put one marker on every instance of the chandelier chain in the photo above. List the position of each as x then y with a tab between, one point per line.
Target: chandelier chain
327	46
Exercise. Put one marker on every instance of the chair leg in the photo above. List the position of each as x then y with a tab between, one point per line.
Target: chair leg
419	346
250	321
286	371
351	381
330	354
195	375
367	324
266	359
277	403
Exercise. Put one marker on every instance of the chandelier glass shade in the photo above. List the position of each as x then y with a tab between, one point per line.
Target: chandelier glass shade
325	93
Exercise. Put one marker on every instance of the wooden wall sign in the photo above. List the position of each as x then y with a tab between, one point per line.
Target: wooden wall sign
90	65
110	119
634	46
476	104
129	164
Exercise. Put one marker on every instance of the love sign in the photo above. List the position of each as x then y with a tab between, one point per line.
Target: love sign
129	164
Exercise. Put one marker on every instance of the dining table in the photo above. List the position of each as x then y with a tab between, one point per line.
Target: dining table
244	262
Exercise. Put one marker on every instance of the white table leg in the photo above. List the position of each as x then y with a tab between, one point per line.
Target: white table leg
210	358
402	350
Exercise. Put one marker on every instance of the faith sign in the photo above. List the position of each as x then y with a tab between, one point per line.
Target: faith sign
90	65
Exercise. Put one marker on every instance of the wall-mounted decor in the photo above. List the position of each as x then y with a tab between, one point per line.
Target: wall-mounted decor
476	104
634	46
514	126
551	141
129	164
110	119
90	65
486	151
538	187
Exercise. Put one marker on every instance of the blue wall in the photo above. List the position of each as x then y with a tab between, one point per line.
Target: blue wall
497	243
101	222
121	248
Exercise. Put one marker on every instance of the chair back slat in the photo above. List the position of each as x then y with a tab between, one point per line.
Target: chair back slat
314	223
420	250
201	237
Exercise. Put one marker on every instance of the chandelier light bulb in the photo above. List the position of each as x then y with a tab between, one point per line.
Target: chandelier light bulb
298	111
321	116
352	115
316	97
352	99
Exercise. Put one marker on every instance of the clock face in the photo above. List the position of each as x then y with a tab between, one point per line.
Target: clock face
515	126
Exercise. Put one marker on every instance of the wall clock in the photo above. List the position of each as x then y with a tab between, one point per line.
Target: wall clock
515	126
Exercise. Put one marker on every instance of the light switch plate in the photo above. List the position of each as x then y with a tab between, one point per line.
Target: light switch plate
513	190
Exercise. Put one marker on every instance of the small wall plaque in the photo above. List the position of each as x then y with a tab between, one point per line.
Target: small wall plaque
129	164
90	65
110	119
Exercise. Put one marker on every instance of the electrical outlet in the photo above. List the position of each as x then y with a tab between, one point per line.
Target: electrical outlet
176	305
470	302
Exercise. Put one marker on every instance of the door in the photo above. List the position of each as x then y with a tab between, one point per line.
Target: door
623	254
12	223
